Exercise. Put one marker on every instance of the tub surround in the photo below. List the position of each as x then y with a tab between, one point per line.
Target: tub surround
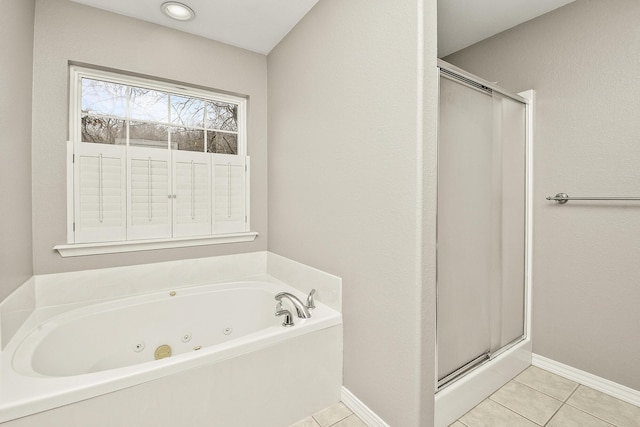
304	278
118	282
46	296
90	286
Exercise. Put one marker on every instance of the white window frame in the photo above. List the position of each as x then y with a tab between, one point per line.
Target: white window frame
71	248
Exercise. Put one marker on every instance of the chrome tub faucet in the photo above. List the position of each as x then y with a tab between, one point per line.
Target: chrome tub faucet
311	304
301	309
288	319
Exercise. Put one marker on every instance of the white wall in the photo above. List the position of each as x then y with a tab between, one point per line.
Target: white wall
347	129
67	31
583	61
16	57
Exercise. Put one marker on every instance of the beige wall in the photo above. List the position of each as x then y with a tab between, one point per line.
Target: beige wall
16	57
583	61
352	113
345	186
67	31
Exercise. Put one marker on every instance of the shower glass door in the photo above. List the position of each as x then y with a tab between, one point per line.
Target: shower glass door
481	225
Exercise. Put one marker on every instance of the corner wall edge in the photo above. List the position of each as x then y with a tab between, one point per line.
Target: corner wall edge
365	413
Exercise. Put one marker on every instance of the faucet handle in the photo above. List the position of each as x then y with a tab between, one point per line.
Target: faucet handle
311	304
288	319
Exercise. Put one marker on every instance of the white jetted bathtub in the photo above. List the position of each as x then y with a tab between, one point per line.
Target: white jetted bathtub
222	344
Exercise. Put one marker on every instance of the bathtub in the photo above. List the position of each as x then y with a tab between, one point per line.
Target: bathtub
221	344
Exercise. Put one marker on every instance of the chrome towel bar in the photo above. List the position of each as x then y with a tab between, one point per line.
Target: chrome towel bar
563	198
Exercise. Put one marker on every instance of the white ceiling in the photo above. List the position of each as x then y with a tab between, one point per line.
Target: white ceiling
462	23
259	25
256	25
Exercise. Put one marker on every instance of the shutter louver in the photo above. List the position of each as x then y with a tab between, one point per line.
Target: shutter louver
149	204
229	196
192	187
100	193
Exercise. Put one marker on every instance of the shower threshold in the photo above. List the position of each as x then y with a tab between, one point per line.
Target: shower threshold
475	363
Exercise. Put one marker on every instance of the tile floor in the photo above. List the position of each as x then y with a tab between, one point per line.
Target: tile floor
532	399
539	398
337	415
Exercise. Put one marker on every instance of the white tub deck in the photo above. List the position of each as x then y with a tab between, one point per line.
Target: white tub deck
32	382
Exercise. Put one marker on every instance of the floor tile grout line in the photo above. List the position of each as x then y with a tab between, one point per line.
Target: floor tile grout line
547	394
564	403
517	413
339	421
572	393
541	392
472	410
554	414
352	415
593	415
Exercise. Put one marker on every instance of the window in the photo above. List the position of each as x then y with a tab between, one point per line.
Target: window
151	160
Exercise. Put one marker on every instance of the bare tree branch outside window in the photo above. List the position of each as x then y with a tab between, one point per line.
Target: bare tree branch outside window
156	119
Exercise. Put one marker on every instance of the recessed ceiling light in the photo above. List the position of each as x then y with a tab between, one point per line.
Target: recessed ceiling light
178	11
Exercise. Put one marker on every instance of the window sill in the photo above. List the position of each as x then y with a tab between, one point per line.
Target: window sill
81	249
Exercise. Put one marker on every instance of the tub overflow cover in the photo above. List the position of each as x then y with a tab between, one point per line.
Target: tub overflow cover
162	352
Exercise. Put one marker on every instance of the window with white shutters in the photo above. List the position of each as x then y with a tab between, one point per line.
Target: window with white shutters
100	193
154	160
149	207
192	192
229	201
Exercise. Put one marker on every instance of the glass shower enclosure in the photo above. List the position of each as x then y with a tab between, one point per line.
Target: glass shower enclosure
481	223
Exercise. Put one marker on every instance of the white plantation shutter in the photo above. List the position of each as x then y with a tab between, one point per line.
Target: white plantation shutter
149	206
99	193
229	193
124	192
192	190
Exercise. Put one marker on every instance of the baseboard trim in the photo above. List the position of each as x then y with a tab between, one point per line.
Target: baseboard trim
369	417
611	388
595	382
